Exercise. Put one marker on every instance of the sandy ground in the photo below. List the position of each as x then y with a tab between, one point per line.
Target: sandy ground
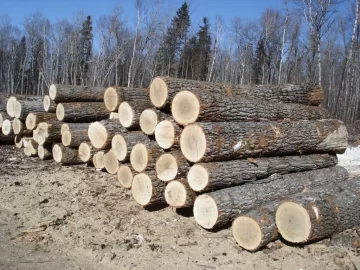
54	217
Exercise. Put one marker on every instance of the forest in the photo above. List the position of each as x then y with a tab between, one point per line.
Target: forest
306	41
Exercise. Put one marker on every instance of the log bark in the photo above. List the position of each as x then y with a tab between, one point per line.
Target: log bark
114	95
167	134
6	139
74	138
66	155
125	175
319	213
130	111
47	133
171	165
163	90
12	101
203	177
101	133
70	93
45	152
2	118
73	126
24	107
143	157
86	152
84	112
149	119
123	143
189	107
18	140
49	104
34	118
225	141
178	194
219	208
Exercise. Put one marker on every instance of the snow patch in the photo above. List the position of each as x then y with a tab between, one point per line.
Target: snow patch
350	160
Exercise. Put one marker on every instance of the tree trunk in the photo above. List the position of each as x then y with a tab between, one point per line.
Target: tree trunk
225	141
219	208
188	107
167	134
171	165
33	119
24	107
149	119
86	152
71	93
73	126
178	194
84	112
121	144
163	90
114	95
130	111
66	155
101	133
47	133
74	138
203	177
49	104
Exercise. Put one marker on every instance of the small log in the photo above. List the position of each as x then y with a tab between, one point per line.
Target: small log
147	190
319	213
47	133
24	107
130	111
98	160
18	127
66	155
121	144
30	148
44	152
125	175
225	141
2	118
167	134
219	208
114	95
144	156
74	138
7	129
171	165
18	140
203	177
256	228
71	93
149	119
163	90
84	112
33	119
86	152
101	133
73	126
178	194
49	104
111	163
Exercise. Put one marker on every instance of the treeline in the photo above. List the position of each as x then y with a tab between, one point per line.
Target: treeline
307	41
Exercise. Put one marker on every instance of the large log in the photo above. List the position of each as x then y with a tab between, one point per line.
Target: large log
320	213
163	90
188	107
74	138
224	141
86	152
34	118
144	156
171	165
101	133
147	190
203	177
178	194
10	106
130	111
114	95
66	155
149	119
19	128
111	163
121	144
84	112
24	107
72	93
47	133
125	175
219	208
167	134
49	104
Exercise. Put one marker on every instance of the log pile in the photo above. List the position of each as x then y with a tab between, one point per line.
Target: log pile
252	156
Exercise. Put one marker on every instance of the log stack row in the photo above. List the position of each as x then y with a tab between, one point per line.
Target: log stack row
256	157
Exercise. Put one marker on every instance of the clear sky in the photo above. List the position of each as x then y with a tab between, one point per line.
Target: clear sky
59	9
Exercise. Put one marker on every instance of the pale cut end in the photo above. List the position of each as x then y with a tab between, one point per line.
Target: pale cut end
84	152
125	176
141	189
185	108
46	102
111	99
293	222
18	141
158	92
6	127
60	112
57	153
10	106
165	134
166	167
41	152
98	135
64	127
175	194
198	177
66	138
98	160
113	115
31	147
17	109
111	163
139	157
17	126
52	91
119	147
247	233
1	119
148	121
41	132
30	121
126	114
193	143
205	211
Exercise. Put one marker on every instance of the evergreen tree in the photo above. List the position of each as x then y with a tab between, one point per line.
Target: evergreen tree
85	49
258	62
203	50
19	64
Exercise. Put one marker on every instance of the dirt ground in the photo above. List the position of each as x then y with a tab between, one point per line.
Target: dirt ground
54	217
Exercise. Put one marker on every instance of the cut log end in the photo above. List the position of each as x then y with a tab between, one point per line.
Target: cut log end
1	119
158	92
52	91
125	176
247	233
98	135
293	222
148	121
142	189
119	147
66	138
166	167
64	127
30	121
10	106
176	194
84	152
111	163
165	134
17	126
126	114
98	160
198	177
7	128
205	211
111	99
139	157
46	103
185	108
44	153
18	140
17	109
193	143
60	112
57	153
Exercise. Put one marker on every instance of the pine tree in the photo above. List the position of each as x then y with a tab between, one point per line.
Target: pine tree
203	50
85	49
20	65
257	69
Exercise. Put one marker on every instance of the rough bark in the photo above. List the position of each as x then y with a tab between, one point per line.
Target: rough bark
24	107
122	144
228	203
72	93
47	133
224	141
204	177
178	194
84	112
45	152
49	104
74	138
73	126
114	95
130	111
66	155
101	133
34	118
